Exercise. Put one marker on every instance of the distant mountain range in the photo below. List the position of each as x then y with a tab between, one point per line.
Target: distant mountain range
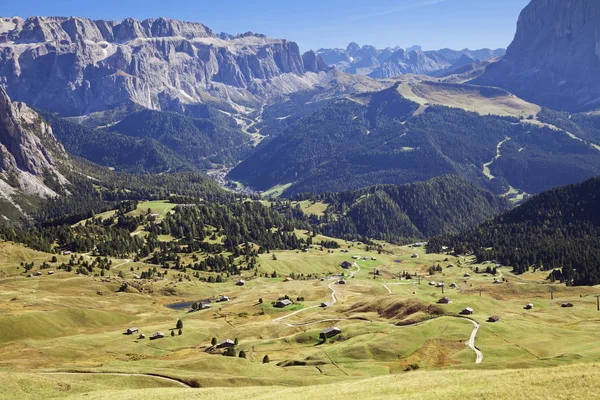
162	95
390	62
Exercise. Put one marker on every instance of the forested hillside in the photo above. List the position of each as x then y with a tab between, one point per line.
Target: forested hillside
204	218
200	141
558	229
380	139
447	204
112	149
136	140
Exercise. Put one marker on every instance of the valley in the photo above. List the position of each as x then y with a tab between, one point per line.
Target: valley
388	324
194	214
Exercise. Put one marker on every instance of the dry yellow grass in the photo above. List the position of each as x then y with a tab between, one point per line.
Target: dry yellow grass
467	98
567	382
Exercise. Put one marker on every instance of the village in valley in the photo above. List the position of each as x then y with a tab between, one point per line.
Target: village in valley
318	314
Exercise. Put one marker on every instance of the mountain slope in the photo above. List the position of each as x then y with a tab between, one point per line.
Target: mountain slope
75	66
30	157
556	229
554	59
384	138
198	141
116	150
447	204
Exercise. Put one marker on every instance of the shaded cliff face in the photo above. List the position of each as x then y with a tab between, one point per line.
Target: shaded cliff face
554	59
75	66
29	152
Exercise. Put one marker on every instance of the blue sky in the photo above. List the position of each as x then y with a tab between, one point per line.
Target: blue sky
432	24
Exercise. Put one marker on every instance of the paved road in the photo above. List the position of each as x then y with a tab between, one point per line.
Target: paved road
164	378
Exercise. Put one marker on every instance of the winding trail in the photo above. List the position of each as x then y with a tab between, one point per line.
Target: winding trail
333	301
164	378
486	166
471	342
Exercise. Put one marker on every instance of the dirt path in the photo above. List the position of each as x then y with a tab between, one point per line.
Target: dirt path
333	301
355	272
292	314
333	298
386	286
120	265
327	320
470	343
164	378
486	166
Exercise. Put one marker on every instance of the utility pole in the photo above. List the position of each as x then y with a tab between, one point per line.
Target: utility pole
479	292
551	295
598	302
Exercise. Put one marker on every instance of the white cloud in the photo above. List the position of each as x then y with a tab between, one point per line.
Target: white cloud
407	7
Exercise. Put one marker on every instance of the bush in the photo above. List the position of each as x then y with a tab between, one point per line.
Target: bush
412	367
179	324
266	359
229	352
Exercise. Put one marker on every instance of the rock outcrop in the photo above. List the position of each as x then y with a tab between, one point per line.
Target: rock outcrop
29	153
554	59
75	65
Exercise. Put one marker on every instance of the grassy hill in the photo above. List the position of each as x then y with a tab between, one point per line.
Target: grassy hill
534	349
530	384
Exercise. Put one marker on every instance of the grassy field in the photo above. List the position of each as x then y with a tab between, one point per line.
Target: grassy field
424	93
277	190
66	323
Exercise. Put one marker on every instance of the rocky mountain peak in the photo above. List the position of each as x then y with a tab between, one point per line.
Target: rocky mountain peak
29	152
554	59
75	66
